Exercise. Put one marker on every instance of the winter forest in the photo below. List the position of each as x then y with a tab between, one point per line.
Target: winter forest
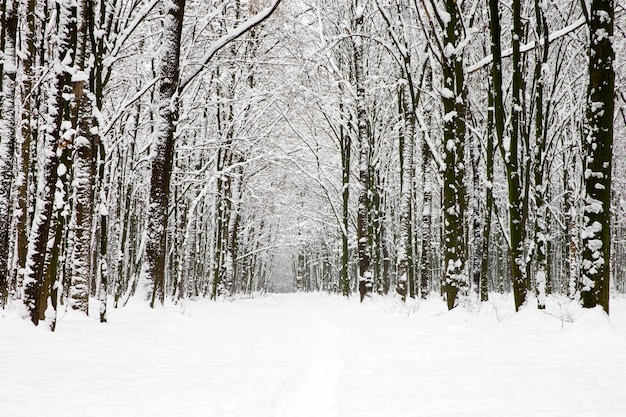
407	168
176	150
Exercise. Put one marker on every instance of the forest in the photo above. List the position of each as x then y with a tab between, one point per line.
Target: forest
180	149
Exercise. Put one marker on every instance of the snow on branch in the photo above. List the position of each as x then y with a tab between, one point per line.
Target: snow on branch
529	46
229	37
125	34
122	108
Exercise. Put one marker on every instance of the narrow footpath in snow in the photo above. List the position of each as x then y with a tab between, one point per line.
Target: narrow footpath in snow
317	394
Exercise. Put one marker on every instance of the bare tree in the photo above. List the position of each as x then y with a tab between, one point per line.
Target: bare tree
54	143
7	141
598	152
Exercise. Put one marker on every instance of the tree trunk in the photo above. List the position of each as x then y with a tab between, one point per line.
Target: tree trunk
163	151
53	145
7	142
541	226
485	266
23	156
476	216
363	238
426	214
83	179
572	232
453	97
598	152
345	144
405	241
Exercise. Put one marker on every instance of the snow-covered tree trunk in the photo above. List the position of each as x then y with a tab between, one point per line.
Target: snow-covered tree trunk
598	152
162	149
405	242
98	81
125	210
498	107
56	271
55	141
476	217
7	142
453	98
23	158
83	178
426	214
363	246
346	147
425	261
541	226
514	170
223	204
232	229
489	159
572	232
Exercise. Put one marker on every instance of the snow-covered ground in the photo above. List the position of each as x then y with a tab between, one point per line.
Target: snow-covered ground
318	355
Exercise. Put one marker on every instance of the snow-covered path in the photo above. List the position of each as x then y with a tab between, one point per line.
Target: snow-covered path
318	355
317	394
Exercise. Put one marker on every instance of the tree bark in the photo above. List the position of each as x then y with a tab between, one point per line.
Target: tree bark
23	157
541	227
345	145
407	146
163	151
491	139
7	142
363	238
83	158
598	152
454	204
517	227
54	144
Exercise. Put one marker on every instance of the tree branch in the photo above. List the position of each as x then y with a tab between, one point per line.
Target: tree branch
229	37
529	46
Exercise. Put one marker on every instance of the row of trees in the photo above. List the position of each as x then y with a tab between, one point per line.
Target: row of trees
178	149
502	134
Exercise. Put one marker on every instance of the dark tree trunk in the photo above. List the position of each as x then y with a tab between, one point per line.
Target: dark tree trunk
346	145
598	152
7	141
163	151
23	154
485	266
83	179
53	144
363	235
541	226
453	97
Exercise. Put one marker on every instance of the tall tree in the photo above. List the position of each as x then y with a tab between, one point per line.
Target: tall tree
28	58
365	275
7	141
514	175
54	143
454	196
489	161
541	226
598	152
163	149
426	216
83	178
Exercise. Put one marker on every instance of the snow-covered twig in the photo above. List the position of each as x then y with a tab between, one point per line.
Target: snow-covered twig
529	46
229	37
